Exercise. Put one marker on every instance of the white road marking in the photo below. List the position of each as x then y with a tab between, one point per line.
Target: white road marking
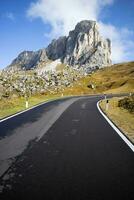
67	97
30	108
116	129
83	106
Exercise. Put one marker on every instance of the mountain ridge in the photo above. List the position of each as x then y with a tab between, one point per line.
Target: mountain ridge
82	47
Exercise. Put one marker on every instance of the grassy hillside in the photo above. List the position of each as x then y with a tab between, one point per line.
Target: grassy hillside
118	78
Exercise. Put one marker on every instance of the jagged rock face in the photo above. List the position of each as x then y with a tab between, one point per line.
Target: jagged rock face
71	48
56	49
83	47
80	41
29	59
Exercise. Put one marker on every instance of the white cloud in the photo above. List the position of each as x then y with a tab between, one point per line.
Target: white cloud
63	15
122	46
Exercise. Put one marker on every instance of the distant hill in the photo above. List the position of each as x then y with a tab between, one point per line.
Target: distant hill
118	78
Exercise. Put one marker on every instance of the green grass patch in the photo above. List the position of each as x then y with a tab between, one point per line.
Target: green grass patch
11	106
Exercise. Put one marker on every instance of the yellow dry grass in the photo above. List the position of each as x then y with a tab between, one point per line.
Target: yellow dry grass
121	117
115	79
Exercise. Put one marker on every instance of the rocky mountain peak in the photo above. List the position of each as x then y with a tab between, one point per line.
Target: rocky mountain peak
84	26
82	47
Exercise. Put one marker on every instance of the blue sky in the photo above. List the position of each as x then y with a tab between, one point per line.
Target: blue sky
32	24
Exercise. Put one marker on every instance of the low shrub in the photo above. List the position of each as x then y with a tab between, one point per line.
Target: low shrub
127	103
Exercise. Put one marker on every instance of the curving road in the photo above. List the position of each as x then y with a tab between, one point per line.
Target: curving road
73	153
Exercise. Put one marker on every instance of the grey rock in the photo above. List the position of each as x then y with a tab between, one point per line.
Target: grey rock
83	47
29	59
56	49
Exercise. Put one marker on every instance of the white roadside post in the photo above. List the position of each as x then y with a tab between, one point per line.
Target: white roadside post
107	104
105	96
26	101
26	104
93	86
26	97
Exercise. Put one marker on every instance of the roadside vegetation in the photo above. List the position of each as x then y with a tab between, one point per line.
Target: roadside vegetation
127	103
14	105
121	116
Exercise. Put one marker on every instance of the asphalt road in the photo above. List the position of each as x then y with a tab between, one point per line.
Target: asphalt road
79	157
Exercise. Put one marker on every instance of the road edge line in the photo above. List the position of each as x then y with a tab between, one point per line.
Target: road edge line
23	111
48	101
131	146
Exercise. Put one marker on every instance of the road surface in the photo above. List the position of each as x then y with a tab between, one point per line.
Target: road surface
78	156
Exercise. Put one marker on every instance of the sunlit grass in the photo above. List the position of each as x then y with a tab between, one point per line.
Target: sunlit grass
115	79
121	117
14	105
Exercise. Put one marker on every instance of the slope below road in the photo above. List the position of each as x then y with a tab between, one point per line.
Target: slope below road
79	157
